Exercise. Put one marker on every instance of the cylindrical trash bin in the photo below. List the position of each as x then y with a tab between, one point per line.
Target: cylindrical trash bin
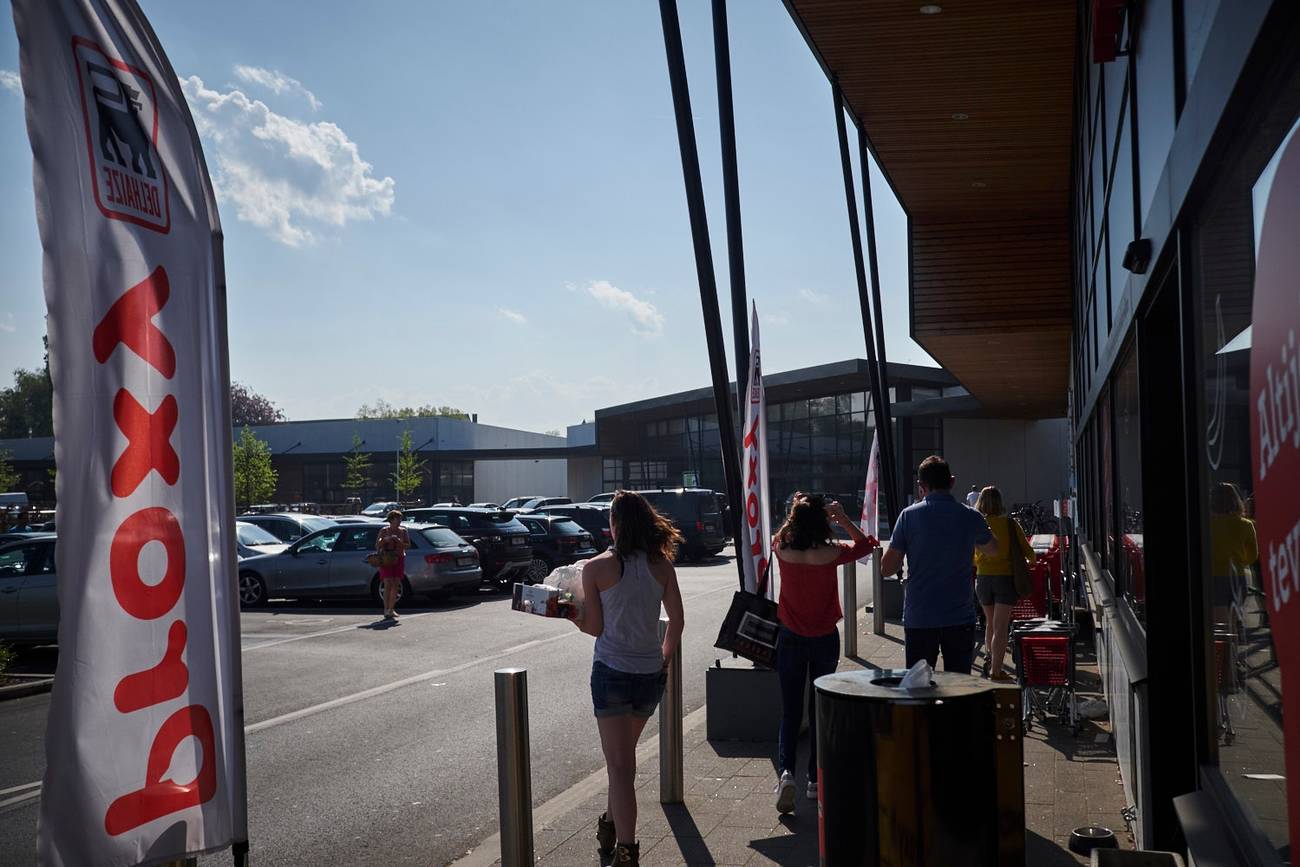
930	777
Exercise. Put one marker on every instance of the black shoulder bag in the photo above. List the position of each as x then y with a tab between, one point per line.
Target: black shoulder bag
751	625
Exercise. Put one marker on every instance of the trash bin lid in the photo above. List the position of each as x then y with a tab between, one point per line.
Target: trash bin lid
882	686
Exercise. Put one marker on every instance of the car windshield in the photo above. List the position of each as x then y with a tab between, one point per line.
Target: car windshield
567	527
311	525
253	535
440	537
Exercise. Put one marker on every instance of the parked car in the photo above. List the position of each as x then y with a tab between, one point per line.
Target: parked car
16	536
380	509
602	498
251	540
333	562
557	540
29	605
288	526
593	517
354	519
502	541
520	504
695	513
484	506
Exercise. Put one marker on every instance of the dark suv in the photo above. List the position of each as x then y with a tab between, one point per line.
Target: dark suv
696	514
501	541
593	517
556	541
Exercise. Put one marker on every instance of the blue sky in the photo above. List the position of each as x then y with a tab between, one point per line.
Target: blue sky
481	204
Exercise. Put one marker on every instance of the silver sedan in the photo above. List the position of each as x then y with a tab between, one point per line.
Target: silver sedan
29	605
333	563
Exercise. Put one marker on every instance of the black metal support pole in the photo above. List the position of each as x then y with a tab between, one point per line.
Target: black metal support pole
704	267
731	195
878	400
886	414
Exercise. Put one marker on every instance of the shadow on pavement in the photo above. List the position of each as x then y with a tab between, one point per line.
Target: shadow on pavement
380	625
364	606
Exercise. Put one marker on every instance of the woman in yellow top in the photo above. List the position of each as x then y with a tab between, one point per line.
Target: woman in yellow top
1234	548
995	586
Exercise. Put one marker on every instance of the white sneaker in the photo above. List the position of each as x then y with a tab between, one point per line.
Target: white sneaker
785	793
812	790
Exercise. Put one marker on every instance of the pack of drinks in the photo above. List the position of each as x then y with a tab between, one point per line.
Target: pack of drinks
559	596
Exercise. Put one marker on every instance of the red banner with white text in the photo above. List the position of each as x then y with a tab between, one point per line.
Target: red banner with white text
144	745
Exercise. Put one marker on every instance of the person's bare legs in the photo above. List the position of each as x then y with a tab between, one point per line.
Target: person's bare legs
988	632
618	738
1001	621
391	588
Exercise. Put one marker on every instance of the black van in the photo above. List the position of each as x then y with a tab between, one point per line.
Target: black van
697	515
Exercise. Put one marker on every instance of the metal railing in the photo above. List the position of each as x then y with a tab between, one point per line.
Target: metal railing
849	590
671	769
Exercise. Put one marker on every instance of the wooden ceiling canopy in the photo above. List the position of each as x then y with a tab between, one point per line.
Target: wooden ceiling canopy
968	110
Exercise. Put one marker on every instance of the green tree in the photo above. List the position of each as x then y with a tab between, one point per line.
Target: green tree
254	476
383	409
27	407
357	463
410	469
8	475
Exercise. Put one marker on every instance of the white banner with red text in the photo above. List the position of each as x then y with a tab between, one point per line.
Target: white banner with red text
870	522
754	490
144	743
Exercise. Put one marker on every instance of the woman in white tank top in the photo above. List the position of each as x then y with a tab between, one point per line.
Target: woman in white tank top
622	593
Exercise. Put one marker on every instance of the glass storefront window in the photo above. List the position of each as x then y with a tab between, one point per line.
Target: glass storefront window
1246	706
1130	565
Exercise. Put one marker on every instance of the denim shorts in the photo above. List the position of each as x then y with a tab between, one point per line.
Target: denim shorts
618	693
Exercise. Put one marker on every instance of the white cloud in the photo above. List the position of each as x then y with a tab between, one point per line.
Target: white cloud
774	318
513	315
7	324
10	81
646	318
813	297
275	81
284	175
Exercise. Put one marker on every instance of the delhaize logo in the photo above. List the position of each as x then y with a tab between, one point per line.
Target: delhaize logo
120	108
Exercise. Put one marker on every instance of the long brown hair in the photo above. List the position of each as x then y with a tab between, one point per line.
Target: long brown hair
807	525
638	527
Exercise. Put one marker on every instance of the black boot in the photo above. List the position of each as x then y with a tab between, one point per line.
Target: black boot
627	855
605	835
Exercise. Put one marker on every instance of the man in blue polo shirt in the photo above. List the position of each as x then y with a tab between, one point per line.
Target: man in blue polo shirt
938	535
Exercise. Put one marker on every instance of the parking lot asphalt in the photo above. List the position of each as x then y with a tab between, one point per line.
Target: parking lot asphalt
375	744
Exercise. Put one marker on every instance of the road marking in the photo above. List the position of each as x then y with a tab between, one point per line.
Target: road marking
643	751
334	631
398	684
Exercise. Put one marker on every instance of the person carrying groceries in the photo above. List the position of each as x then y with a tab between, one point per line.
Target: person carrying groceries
622	590
995	583
808	645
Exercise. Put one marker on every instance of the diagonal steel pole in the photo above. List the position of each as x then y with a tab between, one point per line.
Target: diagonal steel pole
859	269
704	268
731	196
886	415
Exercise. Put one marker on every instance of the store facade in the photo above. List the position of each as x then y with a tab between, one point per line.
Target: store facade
1177	135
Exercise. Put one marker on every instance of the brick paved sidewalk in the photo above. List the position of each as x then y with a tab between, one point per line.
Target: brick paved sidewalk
729	817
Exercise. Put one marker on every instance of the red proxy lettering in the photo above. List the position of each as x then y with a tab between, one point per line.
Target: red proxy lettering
130	321
137	598
164	682
148	442
161	797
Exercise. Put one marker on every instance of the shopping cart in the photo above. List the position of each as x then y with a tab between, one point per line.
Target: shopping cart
1225	677
1035	604
1044	657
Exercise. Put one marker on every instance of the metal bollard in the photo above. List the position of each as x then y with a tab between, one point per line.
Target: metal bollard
671	769
182	862
877	595
849	586
514	774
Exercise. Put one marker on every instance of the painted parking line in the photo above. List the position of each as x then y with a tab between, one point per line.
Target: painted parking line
335	631
19	800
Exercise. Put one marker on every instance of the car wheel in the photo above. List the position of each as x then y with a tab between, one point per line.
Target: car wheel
377	592
538	570
252	590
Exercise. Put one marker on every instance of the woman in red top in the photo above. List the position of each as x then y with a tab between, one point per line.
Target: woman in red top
808	645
